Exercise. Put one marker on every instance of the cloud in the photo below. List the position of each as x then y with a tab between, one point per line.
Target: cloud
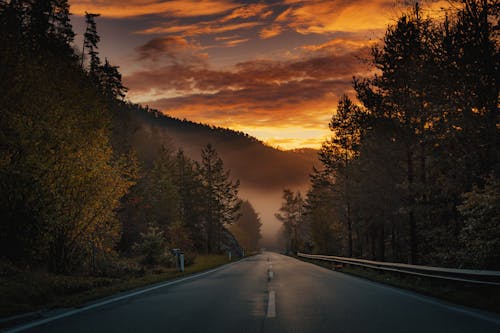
243	17
202	28
300	93
247	11
339	45
172	8
168	47
326	16
235	42
257	73
188	65
271	31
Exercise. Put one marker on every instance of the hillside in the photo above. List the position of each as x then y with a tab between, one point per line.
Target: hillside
255	164
263	171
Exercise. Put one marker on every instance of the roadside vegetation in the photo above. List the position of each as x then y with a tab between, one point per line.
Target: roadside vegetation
411	170
27	290
83	212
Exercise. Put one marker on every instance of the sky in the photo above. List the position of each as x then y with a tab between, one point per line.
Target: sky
273	69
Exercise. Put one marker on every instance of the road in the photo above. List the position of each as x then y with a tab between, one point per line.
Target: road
300	297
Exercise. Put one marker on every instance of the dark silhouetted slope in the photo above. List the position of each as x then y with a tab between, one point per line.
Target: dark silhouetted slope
255	164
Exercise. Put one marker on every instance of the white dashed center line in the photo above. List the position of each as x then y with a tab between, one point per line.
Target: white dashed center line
271	304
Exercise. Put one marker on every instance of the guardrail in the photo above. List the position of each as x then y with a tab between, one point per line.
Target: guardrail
462	275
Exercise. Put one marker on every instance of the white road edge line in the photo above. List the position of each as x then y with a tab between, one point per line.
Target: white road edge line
115	299
271	304
473	312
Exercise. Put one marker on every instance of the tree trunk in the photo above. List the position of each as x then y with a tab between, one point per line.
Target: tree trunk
349	228
382	243
412	257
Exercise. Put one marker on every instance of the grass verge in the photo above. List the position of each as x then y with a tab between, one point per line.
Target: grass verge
473	295
33	291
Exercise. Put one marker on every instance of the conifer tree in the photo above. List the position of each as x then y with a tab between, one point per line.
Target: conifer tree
91	40
220	197
291	214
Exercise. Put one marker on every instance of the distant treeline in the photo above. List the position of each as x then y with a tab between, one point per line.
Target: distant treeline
411	172
74	194
255	164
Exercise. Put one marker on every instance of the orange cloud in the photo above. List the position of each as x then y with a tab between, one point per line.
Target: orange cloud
324	16
173	8
339	45
271	31
245	12
199	28
235	42
250	74
300	94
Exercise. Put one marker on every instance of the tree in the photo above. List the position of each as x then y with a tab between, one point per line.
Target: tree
322	214
291	215
76	183
151	246
337	153
247	228
91	40
162	193
61	184
401	94
111	82
220	197
188	179
479	236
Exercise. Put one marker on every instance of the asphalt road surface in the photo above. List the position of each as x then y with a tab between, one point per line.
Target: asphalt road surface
270	292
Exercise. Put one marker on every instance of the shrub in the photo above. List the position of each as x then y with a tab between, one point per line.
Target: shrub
152	246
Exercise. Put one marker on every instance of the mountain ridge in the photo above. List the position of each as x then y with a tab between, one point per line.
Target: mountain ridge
254	163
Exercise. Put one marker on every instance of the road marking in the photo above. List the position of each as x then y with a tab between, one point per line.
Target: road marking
115	299
270	275
477	313
271	304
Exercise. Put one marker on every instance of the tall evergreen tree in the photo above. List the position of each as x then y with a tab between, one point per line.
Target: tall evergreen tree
291	214
337	153
91	40
111	81
247	228
220	197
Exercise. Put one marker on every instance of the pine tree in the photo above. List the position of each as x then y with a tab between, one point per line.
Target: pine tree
220	197
91	40
247	228
191	211
403	89
292	216
111	81
321	211
337	153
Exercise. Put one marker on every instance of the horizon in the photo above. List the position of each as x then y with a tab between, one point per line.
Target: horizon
274	69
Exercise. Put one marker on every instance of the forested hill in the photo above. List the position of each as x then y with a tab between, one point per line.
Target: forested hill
255	164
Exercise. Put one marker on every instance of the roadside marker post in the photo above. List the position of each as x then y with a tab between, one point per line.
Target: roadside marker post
181	262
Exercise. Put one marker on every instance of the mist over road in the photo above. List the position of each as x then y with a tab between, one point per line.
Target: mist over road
270	292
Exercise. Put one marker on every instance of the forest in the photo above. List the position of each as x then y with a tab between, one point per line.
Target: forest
411	170
75	194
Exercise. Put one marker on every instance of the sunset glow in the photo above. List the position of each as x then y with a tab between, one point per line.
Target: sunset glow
273	69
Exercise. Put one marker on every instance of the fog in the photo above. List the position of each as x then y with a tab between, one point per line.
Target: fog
263	171
267	202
